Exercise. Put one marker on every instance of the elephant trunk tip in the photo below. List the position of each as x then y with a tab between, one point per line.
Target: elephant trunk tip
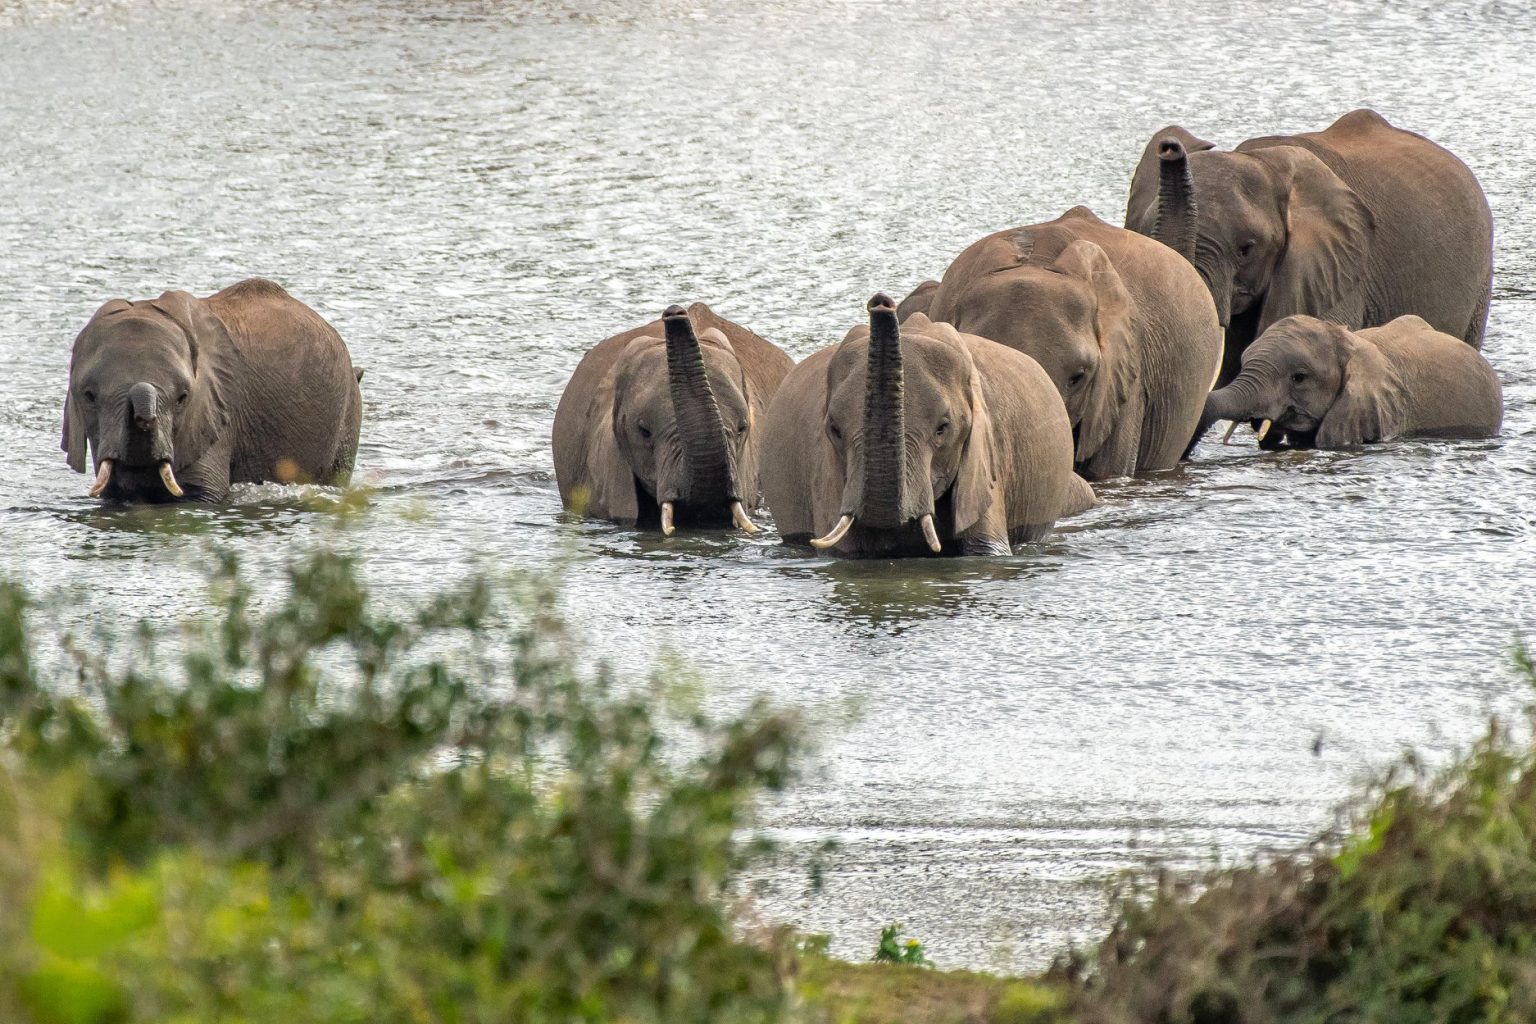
882	302
1170	150
674	311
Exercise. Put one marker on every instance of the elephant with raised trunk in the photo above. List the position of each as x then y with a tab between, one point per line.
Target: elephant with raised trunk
179	397
917	439
1357	224
1317	385
658	426
1123	327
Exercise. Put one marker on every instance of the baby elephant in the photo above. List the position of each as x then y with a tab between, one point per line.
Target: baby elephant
658	425
1315	384
918	439
179	397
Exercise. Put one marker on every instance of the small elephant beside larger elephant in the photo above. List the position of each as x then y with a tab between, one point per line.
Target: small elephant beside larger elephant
1317	385
1357	224
179	397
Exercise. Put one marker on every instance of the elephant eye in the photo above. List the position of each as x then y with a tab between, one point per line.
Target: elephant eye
1299	376
1077	378
832	428
90	396
941	429
645	431
182	398
1246	249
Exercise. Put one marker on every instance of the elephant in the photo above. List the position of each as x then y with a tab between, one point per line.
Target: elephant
1357	224
1315	384
913	438
179	397
1124	328
658	425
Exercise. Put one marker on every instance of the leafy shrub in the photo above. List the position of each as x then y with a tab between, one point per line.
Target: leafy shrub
1424	911
329	813
891	950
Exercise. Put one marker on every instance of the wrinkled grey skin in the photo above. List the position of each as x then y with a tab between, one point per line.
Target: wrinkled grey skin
1327	387
1358	224
1124	328
248	385
668	412
898	423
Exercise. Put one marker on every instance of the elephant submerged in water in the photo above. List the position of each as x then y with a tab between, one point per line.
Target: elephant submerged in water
658	426
917	439
1318	385
1123	327
179	397
1357	224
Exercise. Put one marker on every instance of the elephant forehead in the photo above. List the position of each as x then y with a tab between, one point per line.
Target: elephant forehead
1220	174
642	372
924	358
130	342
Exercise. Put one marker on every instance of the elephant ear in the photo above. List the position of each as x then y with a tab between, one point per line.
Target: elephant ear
213	359
976	484
73	439
1321	273
1141	207
610	482
1369	406
1118	366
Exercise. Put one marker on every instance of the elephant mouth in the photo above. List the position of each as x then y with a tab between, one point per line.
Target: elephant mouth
133	481
929	535
667	516
1292	429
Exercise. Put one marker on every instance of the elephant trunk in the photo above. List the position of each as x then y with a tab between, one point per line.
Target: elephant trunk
1239	400
1176	207
884	420
710	470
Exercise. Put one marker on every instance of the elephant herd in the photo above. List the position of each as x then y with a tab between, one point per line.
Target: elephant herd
1331	288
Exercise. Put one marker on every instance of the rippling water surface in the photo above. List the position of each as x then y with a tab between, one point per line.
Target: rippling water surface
474	194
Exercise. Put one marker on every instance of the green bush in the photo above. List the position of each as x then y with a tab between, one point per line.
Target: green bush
329	813
1424	911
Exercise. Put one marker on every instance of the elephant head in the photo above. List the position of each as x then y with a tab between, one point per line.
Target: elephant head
681	423
1272	230
1072	314
148	387
909	433
1314	384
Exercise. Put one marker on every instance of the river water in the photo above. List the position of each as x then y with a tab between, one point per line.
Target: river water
475	193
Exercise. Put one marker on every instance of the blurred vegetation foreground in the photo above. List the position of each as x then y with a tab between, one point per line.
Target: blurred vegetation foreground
326	812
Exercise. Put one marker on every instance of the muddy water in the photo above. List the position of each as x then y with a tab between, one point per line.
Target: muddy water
473	195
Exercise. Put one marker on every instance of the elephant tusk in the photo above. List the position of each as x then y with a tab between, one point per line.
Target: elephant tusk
1264	428
740	518
838	533
667	528
1227	437
931	535
168	477
103	477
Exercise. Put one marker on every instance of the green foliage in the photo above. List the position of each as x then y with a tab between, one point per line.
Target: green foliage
891	950
1425	912
329	813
